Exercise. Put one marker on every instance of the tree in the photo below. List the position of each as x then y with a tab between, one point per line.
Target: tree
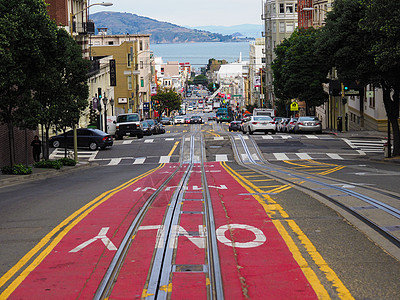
361	41
166	100
26	32
211	86
298	73
200	79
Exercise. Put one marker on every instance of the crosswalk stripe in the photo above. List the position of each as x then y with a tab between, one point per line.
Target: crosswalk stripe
114	161
267	137
334	156
281	156
149	141
218	138
303	155
169	139
221	157
127	142
245	156
165	159
139	161
311	136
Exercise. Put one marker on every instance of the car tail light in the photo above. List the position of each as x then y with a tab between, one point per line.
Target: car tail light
105	138
300	123
117	126
272	122
254	123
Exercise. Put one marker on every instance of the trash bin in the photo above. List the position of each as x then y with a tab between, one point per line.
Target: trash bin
339	124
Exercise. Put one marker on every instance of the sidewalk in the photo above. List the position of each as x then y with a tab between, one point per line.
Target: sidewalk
40	173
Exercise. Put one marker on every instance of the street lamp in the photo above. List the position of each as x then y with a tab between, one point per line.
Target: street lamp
71	32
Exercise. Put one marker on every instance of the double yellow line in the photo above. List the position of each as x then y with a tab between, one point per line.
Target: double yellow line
272	208
55	236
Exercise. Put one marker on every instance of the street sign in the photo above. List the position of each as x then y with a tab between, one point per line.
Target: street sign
352	93
294	106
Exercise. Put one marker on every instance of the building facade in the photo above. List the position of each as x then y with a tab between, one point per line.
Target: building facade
256	64
280	20
134	72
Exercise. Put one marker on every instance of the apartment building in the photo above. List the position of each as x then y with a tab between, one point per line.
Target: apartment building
280	19
134	73
256	63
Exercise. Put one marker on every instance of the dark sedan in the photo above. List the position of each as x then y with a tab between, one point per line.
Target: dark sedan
166	121
87	137
235	126
196	120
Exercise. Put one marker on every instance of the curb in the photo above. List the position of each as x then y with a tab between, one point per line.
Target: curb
11	180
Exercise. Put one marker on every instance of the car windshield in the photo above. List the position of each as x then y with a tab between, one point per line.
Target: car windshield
308	119
127	118
263	118
196	117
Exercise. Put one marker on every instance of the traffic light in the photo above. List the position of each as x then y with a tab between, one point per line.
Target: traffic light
99	93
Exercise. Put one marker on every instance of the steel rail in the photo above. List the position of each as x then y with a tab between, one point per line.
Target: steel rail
111	274
376	203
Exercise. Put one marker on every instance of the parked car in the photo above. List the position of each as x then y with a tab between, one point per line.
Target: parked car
147	128
291	124
156	125
190	107
87	137
179	120
196	120
212	118
235	126
308	124
165	121
259	123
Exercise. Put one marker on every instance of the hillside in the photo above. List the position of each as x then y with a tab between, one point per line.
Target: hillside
161	32
248	30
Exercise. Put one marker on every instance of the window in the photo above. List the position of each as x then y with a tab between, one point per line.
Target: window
141	45
129	59
263	60
141	82
295	7
281	8
111	43
281	27
289	27
129	82
141	64
289	8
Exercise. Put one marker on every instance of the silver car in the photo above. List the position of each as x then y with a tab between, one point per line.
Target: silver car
259	123
308	124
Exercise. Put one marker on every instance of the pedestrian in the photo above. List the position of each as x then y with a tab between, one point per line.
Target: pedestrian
37	148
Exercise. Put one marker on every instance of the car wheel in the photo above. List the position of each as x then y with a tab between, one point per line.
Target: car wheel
93	146
103	148
273	131
118	137
250	132
140	135
56	144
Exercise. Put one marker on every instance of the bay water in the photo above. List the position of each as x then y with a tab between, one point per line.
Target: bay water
198	54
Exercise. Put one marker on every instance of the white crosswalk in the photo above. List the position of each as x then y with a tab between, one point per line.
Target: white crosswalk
366	146
60	153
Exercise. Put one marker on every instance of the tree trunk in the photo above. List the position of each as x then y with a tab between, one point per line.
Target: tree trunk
11	142
46	140
391	103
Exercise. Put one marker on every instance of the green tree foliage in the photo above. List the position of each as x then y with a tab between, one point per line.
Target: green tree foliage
211	87
361	39
298	72
166	100
26	32
200	79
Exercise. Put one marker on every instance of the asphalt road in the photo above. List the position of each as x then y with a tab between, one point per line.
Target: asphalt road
28	211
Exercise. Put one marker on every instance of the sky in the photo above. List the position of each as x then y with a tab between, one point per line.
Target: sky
190	12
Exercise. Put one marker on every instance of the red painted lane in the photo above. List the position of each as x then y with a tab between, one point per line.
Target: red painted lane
72	275
133	274
265	271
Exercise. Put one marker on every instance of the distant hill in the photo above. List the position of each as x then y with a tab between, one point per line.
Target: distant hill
161	32
247	30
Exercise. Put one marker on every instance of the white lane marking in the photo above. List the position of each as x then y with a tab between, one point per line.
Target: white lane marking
311	136
218	138
114	161
221	157
281	156
149	141
169	139
267	137
139	161
334	156
255	156
245	156
303	155
165	159
101	236
127	142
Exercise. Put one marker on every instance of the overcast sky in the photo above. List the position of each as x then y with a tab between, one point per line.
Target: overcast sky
190	12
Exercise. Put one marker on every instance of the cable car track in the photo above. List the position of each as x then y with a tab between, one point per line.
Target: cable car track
162	267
